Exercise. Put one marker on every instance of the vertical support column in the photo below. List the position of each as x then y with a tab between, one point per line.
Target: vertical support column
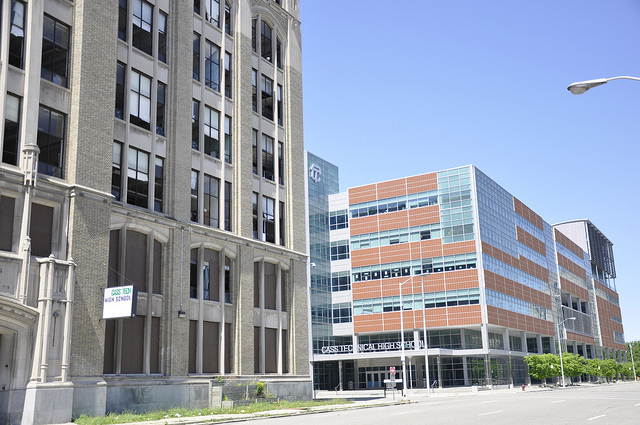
539	340
487	370
262	319
221	296
439	372
200	325
146	364
279	310
340	376
68	316
465	372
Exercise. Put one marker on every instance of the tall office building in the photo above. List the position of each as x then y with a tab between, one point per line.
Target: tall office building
155	144
454	254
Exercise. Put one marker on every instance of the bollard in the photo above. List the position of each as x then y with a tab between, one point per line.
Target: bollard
522	387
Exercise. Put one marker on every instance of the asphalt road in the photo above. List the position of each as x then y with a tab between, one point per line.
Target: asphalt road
617	404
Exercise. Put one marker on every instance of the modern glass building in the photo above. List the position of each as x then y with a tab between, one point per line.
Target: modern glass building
453	254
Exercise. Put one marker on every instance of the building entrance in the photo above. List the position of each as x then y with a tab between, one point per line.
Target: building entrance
376	379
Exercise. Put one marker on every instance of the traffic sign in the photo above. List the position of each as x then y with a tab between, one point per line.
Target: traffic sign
392	370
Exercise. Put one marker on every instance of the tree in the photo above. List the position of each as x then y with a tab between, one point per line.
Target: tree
608	368
593	368
540	365
573	365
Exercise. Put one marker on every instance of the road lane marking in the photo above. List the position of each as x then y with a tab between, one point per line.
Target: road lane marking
595	417
638	404
490	413
558	401
490	401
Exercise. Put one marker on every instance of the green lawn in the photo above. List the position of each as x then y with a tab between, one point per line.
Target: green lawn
126	417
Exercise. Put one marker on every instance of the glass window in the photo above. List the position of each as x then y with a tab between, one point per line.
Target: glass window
254	90
267	97
16	34
212	65
227	207
265	41
159	185
122	20
11	138
279	104
255	215
281	222
160	109
278	53
211	198
211	132
195	125
254	22
280	164
120	93
142	25
212	12
140	100
138	178
268	220
196	56
267	157
194	195
162	37
227	139
227	74
227	17
116	171
254	150
51	141
55	51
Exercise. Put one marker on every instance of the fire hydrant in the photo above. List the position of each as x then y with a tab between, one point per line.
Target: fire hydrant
522	387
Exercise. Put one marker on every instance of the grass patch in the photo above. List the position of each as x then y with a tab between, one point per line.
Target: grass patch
127	417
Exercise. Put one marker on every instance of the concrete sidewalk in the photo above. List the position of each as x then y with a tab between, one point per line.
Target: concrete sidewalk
356	399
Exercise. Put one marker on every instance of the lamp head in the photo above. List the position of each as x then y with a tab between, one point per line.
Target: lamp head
582	86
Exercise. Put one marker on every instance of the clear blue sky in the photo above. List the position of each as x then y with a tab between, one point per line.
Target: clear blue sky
398	88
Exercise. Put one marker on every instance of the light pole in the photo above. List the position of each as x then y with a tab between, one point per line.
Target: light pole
632	362
424	334
404	374
582	86
560	345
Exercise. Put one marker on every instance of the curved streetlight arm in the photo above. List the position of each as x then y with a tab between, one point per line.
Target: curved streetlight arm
582	86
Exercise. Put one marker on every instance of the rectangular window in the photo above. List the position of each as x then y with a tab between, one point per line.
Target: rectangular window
265	41
195	125
255	215
268	219
138	178
51	142
278	53
211	132
194	196
227	17
267	157
267	97
212	65
116	171
196	56
16	34
140	100
270	286
254	22
158	185
142	26
227	74
55	51
7	214
254	90
227	139
196	6
120	79
193	274
280	164
211	198
11	138
227	207
162	37
41	230
254	150
212	12
122	20
281	222
160	109
279	104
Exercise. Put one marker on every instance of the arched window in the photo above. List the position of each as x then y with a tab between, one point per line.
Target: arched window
265	41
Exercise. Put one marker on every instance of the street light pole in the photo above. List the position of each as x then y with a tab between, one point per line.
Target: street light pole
582	86
560	345
404	373
632	362
424	332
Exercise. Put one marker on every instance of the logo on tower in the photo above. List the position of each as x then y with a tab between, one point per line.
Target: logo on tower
315	173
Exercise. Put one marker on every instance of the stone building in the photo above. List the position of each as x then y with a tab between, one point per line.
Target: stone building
155	144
